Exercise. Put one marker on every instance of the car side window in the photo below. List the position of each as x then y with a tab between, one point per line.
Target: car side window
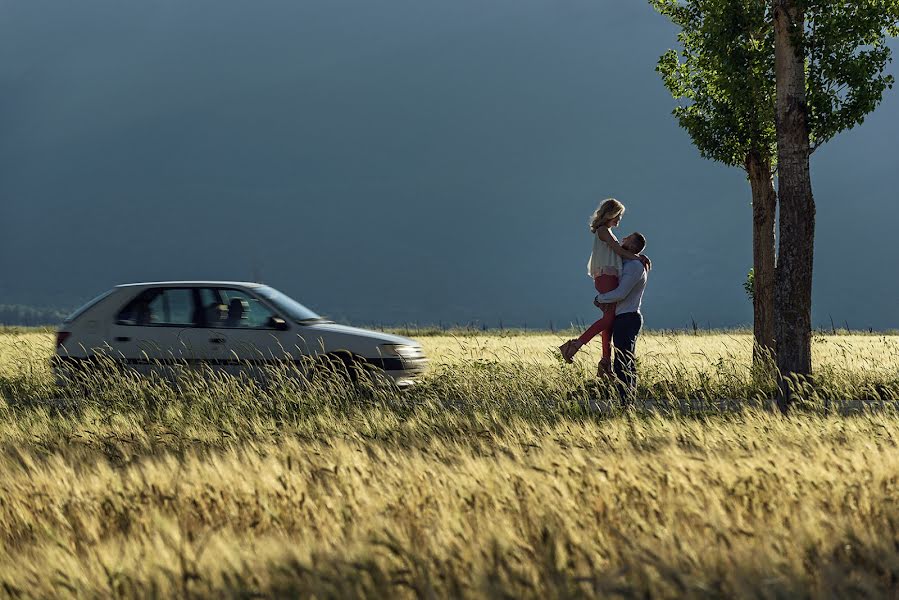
235	309
160	307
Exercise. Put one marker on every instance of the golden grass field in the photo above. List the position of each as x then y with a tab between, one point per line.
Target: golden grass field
491	479
868	357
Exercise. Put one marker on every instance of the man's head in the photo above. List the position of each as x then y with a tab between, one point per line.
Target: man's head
635	242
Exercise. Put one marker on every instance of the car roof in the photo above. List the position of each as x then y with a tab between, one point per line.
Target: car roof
245	284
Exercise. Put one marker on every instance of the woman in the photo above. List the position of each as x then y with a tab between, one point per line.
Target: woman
604	267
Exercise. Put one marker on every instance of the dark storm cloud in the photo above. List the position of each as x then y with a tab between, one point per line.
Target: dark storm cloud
405	160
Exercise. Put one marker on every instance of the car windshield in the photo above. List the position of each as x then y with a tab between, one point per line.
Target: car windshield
288	305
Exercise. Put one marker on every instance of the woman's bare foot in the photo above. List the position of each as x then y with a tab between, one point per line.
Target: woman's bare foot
605	368
569	349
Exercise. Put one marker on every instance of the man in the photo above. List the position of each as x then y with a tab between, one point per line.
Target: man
628	320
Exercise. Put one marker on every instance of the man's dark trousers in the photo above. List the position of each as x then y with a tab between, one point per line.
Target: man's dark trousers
624	335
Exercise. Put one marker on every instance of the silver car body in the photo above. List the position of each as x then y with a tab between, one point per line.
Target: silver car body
227	325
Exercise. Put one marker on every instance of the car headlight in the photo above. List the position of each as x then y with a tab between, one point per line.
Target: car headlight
404	351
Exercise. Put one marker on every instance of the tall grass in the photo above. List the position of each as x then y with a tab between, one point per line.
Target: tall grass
503	474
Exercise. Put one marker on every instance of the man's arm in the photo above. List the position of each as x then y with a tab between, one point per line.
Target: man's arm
631	273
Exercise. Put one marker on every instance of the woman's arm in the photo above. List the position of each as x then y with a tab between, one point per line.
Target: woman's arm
606	235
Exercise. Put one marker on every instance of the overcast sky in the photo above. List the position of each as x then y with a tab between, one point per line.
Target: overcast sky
393	161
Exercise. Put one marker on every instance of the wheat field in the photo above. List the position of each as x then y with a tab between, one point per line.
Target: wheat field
493	478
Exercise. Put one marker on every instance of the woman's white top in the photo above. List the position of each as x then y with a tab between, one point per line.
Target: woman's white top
603	260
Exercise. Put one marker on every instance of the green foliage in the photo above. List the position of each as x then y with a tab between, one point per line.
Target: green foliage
845	45
723	75
724	72
749	285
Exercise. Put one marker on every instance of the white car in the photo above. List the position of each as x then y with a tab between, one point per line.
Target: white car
227	325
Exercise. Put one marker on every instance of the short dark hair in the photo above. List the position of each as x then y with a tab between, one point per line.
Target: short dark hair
641	241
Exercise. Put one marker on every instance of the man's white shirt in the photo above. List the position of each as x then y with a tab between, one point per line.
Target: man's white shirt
628	296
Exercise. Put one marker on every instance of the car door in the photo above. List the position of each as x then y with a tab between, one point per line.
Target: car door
254	333
147	330
205	345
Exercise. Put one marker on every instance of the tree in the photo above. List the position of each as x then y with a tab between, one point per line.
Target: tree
17	314
793	287
724	73
830	57
756	75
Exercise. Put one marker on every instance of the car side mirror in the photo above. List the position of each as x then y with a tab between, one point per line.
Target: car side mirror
278	323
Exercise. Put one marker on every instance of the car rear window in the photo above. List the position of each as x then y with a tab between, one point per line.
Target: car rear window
84	307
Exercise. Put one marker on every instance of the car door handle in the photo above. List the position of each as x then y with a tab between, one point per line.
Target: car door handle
123	339
217	340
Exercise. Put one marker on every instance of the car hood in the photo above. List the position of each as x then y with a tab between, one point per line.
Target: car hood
374	336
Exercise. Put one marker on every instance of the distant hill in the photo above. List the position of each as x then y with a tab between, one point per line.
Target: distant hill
19	314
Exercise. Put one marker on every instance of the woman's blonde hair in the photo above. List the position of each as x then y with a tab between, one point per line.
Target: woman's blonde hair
608	210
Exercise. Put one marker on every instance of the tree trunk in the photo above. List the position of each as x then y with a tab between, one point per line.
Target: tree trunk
764	206
793	288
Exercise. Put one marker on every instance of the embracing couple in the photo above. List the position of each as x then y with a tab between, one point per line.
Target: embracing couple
619	273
